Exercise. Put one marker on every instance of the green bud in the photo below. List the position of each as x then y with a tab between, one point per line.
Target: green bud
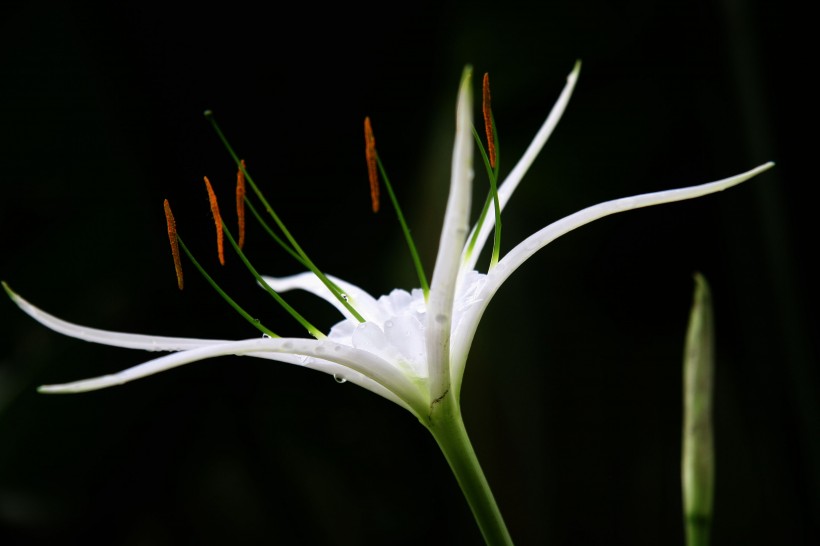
698	455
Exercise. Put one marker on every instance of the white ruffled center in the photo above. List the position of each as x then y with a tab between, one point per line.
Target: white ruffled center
397	332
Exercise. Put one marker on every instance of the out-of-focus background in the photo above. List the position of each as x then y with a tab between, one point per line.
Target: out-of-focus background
573	388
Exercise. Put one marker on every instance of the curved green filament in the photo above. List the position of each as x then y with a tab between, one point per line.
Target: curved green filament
255	322
294	245
492	174
407	236
312	330
285	246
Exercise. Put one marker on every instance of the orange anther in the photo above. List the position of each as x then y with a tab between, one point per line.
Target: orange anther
217	221
488	119
240	202
372	171
172	237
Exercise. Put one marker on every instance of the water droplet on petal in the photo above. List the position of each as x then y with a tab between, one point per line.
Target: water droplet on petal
265	336
388	324
339	379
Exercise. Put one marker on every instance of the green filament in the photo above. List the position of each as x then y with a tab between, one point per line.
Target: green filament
492	174
312	330
294	245
407	236
255	322
285	246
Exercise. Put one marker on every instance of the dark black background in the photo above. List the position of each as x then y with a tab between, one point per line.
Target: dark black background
572	391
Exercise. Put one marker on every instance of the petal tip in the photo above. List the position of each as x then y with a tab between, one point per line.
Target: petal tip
9	291
51	389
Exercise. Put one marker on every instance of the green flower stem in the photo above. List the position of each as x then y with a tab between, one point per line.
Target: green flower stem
447	427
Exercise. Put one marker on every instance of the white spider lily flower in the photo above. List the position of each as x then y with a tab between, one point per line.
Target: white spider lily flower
409	349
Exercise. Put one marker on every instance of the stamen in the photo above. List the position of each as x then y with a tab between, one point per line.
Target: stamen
254	321
217	221
372	171
407	236
312	330
292	244
240	202
172	237
488	119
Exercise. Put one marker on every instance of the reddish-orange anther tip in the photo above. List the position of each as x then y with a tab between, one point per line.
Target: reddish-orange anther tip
372	167
172	237
488	119
220	249
240	202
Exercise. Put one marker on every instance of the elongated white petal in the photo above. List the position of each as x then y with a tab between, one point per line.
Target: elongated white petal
364	303
536	241
453	235
107	337
342	374
506	189
318	355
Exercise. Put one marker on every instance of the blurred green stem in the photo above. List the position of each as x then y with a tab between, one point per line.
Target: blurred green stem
698	457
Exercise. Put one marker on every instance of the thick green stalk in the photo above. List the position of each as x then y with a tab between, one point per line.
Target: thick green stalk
447	427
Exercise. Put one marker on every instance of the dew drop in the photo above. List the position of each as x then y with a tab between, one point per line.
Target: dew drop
266	336
344	296
388	324
339	379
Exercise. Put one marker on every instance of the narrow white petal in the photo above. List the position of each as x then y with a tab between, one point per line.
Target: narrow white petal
364	303
351	364
541	238
469	322
506	189
453	235
107	337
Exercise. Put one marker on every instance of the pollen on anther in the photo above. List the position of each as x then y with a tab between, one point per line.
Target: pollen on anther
488	119
217	221
240	202
372	170
172	237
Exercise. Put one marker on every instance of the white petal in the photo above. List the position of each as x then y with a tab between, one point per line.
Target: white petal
453	236
364	303
506	189
518	255
469	296
106	337
541	238
370	337
406	333
375	374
